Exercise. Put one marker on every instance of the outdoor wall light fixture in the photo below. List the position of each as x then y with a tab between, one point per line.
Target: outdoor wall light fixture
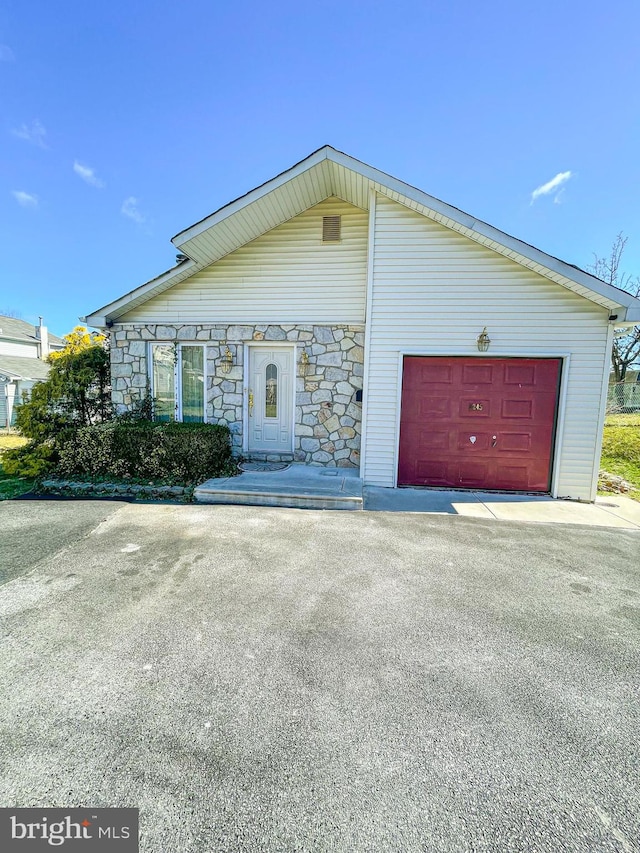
226	361
483	340
304	362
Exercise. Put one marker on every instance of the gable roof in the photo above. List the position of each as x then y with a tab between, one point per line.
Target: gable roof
19	367
330	173
19	330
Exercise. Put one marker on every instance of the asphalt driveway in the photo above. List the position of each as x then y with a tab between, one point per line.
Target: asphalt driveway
285	680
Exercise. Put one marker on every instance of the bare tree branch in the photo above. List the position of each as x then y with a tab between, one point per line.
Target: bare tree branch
626	347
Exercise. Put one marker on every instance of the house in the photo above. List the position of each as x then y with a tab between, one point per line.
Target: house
23	349
340	317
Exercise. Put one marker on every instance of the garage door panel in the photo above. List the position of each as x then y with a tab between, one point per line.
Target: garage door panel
428	439
432	472
541	375
472	474
478	374
515	477
436	373
474	442
520	442
520	374
495	422
474	407
435	407
433	439
517	409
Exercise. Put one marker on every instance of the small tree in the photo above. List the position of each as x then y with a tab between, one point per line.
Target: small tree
626	347
80	378
76	393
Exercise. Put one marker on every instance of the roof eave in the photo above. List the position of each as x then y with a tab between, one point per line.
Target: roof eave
101	317
560	272
253	195
614	295
557	270
632	315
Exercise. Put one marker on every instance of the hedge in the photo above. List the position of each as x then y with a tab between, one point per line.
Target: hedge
184	452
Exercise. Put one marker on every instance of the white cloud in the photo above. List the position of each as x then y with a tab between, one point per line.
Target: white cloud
25	199
130	209
88	175
552	187
6	54
34	132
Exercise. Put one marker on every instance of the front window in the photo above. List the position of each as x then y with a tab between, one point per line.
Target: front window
177	382
192	375
163	381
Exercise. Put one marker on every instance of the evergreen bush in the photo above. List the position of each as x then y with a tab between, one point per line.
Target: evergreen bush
146	450
76	393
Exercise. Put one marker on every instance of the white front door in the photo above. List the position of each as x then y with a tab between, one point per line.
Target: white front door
270	406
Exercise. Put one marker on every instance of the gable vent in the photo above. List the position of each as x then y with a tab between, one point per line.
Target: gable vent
331	229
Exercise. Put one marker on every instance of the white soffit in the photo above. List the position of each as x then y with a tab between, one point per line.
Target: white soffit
247	218
329	173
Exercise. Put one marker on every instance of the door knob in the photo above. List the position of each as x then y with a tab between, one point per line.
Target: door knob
250	403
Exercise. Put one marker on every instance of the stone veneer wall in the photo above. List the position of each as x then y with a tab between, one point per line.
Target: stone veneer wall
328	420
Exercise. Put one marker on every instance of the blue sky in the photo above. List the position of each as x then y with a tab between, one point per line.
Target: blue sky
123	123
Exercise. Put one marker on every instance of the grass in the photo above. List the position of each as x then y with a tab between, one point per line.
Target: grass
621	449
10	439
11	487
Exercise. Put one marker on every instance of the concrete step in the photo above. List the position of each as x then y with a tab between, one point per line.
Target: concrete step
299	486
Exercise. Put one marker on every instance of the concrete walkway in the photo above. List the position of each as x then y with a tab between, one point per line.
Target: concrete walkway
610	511
308	487
302	486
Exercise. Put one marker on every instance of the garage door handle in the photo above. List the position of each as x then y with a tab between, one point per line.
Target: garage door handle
494	440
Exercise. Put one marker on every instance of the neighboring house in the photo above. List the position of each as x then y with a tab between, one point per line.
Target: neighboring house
335	315
23	348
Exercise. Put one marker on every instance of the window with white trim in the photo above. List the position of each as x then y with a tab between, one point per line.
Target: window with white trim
177	377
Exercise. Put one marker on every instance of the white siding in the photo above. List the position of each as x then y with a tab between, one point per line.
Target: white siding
21	350
17	388
285	276
3	406
433	291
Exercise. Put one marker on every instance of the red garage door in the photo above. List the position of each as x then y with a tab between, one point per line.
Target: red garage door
478	423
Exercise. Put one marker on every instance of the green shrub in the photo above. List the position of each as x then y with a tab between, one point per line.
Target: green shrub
76	392
31	460
147	450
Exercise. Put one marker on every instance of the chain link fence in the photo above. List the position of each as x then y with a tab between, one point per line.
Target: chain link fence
623	397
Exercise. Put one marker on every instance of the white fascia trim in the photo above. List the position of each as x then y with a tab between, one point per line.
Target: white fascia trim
367	331
253	195
632	315
221	321
488	232
141	294
627	307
